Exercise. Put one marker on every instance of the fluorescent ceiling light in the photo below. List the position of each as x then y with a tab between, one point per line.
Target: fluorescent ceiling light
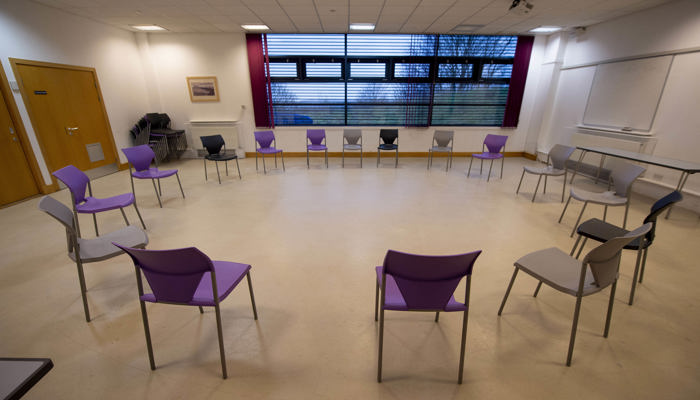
148	27
255	27
546	29
467	28
361	27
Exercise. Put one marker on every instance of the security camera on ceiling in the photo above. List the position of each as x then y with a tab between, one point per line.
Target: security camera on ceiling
521	7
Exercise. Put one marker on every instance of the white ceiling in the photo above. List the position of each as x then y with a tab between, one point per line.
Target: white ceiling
333	16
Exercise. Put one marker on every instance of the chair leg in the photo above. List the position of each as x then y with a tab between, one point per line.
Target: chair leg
256	160
578	220
307	159
644	263
83	288
263	160
544	190
381	345
503	163
378	157
226	165
610	308
563	188
221	341
437	316
342	163
578	239
605	213
360	158
580	250
238	167
521	182
539	179
510	286
216	163
252	296
490	167
147	331
160	190
153	181
275	160
470	166
537	289
206	178
201	310
139	215
448	162
481	166
636	274
396	163
430	158
177	175
123	215
326	158
94	220
465	318
282	155
564	210
573	330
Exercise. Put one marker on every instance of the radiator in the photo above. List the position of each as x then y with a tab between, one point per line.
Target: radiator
227	129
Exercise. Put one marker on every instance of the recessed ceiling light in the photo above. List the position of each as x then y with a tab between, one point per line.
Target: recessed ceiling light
546	29
148	27
255	27
361	27
467	28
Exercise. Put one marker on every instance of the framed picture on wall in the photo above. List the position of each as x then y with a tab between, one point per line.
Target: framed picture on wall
203	88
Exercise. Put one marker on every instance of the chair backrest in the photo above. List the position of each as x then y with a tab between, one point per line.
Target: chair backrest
213	143
388	136
660	206
140	156
316	136
75	180
428	282
604	260
352	135
623	174
173	275
559	154
495	143
264	138
62	214
443	138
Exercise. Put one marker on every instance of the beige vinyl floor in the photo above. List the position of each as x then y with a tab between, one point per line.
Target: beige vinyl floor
313	237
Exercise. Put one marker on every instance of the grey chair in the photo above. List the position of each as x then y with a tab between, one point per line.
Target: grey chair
442	143
598	270
84	251
352	141
556	166
622	176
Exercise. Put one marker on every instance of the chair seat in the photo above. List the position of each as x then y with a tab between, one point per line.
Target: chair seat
268	150
548	170
228	275
101	247
441	149
93	205
602	231
388	146
488	156
220	157
395	301
605	198
352	147
316	147
558	270
154	173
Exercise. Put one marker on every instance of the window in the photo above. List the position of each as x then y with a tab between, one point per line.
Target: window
404	80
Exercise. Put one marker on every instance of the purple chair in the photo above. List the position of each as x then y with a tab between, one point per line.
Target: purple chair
410	282
495	145
265	144
140	157
84	251
77	181
317	137
186	277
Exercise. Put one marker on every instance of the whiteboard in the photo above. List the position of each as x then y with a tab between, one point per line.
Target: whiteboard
625	95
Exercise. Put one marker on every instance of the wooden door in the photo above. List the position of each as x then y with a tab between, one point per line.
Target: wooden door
65	106
16	180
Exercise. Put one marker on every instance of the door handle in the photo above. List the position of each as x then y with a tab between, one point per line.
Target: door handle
70	130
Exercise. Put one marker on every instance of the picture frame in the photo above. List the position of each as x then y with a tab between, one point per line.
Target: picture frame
203	88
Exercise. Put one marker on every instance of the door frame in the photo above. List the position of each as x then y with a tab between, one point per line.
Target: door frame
16	62
24	141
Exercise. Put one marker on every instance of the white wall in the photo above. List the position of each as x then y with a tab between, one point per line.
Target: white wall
671	27
34	32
